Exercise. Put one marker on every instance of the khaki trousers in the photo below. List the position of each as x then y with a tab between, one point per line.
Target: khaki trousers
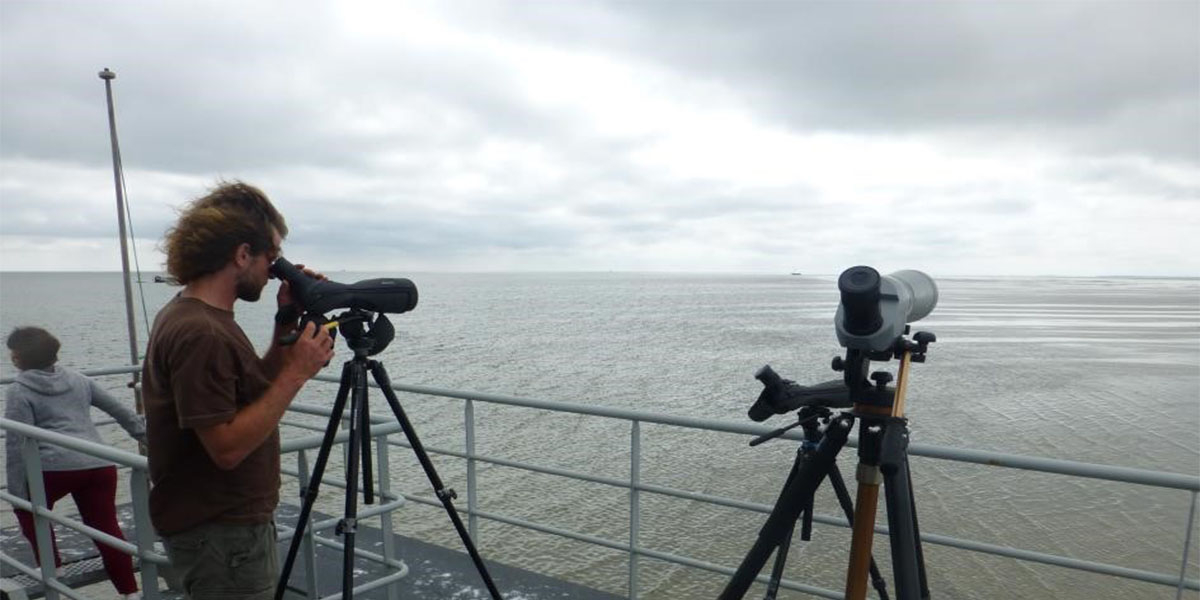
218	561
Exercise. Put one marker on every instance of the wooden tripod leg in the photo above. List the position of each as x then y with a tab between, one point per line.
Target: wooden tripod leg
869	478
867	500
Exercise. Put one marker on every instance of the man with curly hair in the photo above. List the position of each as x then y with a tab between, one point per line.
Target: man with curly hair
213	405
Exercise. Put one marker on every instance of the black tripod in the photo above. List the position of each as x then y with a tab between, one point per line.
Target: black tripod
366	337
810	419
883	458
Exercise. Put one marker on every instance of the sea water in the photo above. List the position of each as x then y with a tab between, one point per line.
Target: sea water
1096	370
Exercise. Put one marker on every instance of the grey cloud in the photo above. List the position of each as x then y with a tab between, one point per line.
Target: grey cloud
386	149
1090	77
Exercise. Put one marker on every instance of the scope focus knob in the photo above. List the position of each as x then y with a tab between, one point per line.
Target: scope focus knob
838	365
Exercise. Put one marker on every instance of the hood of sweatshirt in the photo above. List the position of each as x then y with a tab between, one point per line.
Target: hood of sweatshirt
46	382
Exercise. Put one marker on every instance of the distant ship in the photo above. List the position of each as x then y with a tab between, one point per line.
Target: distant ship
797	273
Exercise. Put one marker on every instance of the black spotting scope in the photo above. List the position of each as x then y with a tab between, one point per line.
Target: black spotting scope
875	309
384	295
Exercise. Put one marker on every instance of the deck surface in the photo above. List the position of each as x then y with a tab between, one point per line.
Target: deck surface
435	573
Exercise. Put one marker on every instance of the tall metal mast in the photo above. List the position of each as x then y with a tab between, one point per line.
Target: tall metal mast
108	76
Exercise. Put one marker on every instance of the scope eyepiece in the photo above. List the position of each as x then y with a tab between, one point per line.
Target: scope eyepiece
860	299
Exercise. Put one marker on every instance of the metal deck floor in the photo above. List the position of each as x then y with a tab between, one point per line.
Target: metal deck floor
435	573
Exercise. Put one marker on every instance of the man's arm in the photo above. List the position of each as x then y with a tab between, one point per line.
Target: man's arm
229	443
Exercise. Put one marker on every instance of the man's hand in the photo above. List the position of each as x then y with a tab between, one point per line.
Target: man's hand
284	296
310	353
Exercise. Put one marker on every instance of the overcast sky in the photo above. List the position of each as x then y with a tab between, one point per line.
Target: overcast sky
959	138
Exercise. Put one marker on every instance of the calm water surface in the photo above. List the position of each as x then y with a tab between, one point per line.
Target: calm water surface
1094	370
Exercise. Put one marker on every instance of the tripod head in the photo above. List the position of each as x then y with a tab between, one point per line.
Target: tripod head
366	333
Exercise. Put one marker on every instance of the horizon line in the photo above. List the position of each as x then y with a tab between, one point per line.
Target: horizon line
658	271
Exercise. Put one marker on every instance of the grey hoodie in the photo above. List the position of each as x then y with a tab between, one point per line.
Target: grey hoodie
60	400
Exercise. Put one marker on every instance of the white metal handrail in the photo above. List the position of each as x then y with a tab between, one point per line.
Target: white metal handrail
1159	479
144	546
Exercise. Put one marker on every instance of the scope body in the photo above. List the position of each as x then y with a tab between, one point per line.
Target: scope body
381	295
875	309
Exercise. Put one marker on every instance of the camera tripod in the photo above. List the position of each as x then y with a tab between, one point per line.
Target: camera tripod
367	337
883	459
810	419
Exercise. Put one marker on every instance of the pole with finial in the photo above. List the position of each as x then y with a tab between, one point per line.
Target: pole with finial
108	76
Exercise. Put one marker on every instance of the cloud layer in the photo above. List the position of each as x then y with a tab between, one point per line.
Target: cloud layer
969	139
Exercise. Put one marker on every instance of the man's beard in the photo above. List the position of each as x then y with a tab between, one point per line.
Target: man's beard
248	290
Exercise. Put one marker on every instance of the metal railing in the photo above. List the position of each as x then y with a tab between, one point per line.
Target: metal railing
140	490
150	556
631	546
634	550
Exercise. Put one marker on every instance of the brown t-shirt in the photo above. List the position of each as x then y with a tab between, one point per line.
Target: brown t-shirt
199	370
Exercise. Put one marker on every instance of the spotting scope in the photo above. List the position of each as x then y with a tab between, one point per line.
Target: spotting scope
875	309
383	295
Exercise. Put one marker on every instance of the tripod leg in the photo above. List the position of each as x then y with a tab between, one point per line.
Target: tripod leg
843	496
917	535
901	521
780	560
785	543
869	478
445	495
807	514
314	482
787	508
348	526
364	425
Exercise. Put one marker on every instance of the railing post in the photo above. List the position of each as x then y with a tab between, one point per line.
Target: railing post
472	496
308	547
1187	546
139	491
384	478
635	480
41	526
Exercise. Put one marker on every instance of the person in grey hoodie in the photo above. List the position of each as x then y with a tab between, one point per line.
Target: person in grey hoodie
58	399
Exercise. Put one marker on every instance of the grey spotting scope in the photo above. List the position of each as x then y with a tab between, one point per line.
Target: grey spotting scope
875	309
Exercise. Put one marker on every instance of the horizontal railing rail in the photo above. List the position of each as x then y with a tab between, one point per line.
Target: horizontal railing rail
1032	463
385	426
144	548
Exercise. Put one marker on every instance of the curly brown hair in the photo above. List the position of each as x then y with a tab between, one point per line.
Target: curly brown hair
211	228
33	348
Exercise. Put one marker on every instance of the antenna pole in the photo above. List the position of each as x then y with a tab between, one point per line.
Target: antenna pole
108	76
